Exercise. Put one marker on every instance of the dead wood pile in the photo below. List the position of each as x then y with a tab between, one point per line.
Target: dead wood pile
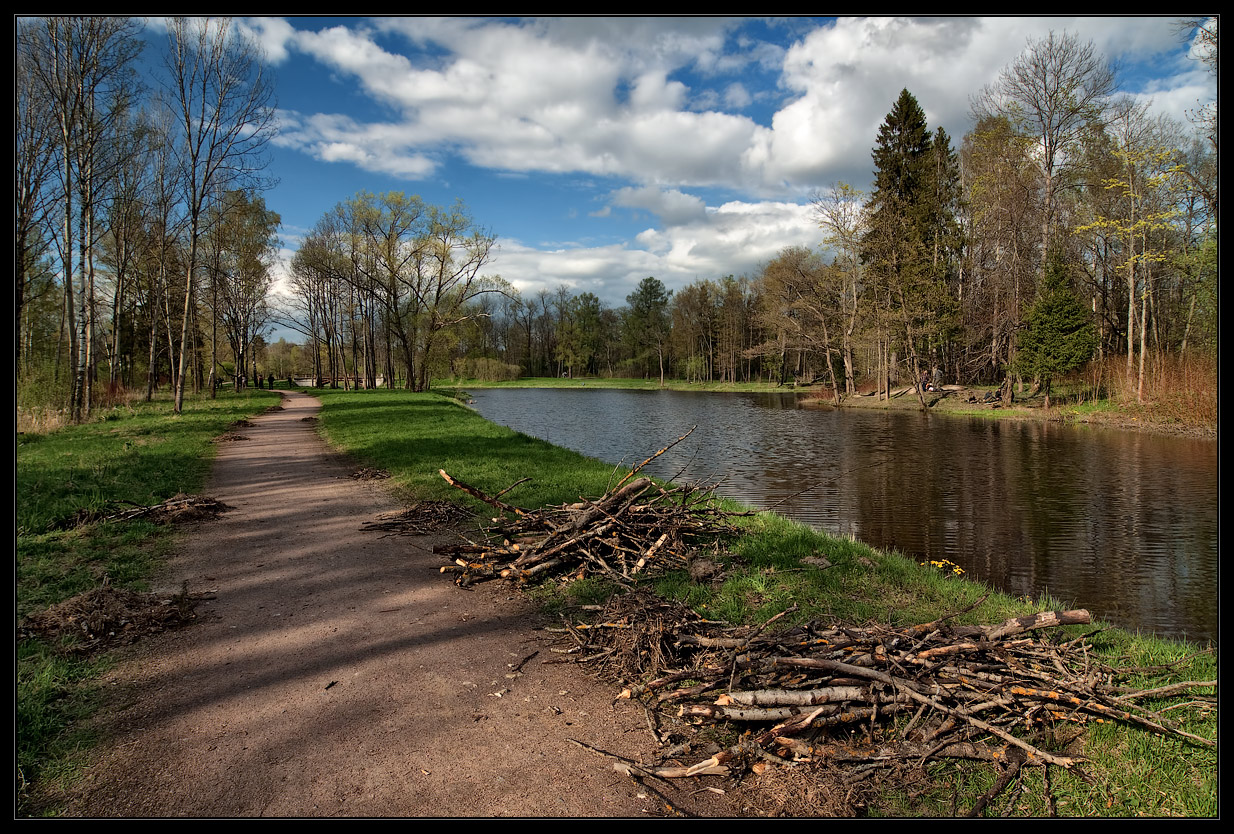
179	509
864	699
421	519
638	528
107	616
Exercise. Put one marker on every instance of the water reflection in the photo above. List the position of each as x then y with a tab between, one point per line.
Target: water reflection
1122	523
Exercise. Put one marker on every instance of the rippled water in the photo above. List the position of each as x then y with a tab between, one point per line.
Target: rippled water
1121	523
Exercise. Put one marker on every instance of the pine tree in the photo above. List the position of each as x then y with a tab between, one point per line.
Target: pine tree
647	321
1059	335
944	236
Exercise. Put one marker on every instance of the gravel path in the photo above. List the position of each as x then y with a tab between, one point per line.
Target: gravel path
338	674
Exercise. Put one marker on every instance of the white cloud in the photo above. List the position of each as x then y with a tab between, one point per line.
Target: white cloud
606	96
381	148
673	207
272	34
733	238
737	96
664	106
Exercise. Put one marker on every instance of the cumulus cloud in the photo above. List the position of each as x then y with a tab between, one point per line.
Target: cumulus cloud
609	96
660	108
672	206
381	148
272	34
733	238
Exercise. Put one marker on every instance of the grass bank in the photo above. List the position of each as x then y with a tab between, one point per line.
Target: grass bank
139	453
1130	773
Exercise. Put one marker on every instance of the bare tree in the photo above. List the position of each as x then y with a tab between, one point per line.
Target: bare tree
840	212
1203	33
449	277
33	172
225	108
82	67
1053	92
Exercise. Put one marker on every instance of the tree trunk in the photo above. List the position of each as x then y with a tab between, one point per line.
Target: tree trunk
1139	389
184	321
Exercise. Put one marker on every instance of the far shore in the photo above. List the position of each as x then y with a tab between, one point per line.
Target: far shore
957	400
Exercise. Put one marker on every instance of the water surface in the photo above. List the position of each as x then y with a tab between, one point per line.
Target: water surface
1122	523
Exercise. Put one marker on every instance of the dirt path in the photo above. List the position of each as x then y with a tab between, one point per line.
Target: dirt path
338	674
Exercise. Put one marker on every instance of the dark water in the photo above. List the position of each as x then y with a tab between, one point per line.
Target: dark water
1121	523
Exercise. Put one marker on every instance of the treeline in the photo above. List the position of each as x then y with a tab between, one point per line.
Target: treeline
1068	226
143	246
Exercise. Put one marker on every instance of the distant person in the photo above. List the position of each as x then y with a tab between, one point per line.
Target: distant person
938	378
271	379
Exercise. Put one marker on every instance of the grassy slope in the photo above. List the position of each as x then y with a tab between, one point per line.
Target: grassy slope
414	435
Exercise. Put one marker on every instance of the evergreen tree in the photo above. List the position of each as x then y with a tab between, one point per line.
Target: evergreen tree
942	206
910	217
1059	335
647	321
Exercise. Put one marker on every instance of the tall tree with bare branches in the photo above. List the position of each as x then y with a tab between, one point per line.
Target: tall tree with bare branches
81	70
1054	91
225	108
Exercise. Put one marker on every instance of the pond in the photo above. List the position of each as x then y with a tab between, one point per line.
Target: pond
1122	523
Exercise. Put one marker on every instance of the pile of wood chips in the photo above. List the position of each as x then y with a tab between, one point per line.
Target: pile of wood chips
865	699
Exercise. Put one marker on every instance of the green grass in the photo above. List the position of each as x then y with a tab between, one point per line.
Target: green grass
142	454
55	698
1132	772
412	436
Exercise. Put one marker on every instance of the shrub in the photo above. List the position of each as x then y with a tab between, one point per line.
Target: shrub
490	370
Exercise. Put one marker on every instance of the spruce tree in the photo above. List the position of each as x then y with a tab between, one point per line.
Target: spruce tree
908	215
1059	335
647	320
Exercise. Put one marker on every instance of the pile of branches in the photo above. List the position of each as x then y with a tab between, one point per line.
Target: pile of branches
638	528
421	519
176	510
870	698
107	616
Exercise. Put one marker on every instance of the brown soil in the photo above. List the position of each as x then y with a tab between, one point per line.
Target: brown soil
332	671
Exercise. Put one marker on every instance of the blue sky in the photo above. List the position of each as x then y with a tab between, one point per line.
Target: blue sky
604	150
